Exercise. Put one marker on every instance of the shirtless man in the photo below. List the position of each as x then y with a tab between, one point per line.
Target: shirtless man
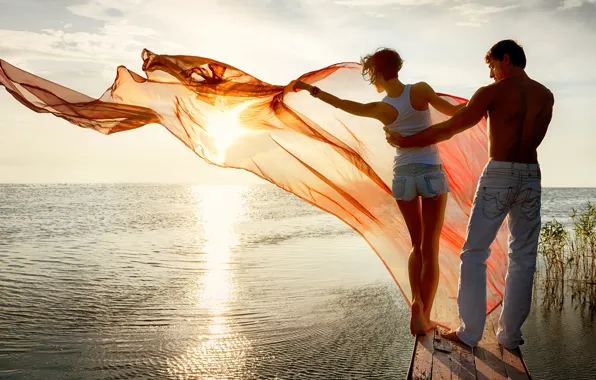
519	111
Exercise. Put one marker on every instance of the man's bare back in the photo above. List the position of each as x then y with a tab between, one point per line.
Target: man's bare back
518	117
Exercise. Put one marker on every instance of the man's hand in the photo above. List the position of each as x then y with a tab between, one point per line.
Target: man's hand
395	139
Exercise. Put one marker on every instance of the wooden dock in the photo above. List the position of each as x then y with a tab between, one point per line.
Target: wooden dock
435	357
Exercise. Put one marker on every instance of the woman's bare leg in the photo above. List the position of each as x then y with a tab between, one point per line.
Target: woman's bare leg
433	215
412	213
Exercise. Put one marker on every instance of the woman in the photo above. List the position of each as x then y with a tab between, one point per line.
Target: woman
419	184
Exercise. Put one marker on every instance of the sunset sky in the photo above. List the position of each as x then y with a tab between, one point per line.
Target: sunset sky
80	43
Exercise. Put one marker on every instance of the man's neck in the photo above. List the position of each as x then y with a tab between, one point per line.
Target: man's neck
516	72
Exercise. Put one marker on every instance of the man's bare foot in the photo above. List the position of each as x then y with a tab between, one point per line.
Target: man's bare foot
418	324
452	336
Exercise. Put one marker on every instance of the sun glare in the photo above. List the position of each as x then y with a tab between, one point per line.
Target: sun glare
225	128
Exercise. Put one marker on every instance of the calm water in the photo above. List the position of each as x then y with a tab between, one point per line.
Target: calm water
138	281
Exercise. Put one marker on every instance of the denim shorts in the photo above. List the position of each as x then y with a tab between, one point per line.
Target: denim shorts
412	180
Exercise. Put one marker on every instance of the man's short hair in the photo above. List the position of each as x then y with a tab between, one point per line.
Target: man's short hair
514	50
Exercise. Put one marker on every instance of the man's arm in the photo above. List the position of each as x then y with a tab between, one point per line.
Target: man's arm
440	104
465	118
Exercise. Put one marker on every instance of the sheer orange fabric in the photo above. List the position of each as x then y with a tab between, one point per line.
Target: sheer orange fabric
333	160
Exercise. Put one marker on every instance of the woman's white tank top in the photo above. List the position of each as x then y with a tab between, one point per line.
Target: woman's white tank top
409	122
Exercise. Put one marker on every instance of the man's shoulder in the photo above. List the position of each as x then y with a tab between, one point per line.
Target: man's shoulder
496	86
491	88
543	91
503	86
489	91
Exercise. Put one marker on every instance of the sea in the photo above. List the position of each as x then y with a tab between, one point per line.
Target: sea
146	281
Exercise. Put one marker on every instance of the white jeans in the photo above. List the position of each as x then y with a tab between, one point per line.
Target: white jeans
505	189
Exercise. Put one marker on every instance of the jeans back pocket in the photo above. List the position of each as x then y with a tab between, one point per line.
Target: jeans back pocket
531	204
436	183
399	187
496	201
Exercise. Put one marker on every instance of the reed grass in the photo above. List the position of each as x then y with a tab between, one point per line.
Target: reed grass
569	258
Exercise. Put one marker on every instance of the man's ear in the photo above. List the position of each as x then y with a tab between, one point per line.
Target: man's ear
506	59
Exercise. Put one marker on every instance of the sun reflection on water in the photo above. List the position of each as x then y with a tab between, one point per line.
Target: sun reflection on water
221	207
220	351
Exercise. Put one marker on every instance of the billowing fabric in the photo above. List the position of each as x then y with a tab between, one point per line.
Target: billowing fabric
335	161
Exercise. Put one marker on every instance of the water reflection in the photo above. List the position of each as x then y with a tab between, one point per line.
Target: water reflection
220	351
220	207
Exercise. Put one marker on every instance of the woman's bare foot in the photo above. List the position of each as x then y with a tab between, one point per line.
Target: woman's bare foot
431	325
418	324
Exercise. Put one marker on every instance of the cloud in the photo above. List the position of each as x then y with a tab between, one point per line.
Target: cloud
104	10
476	14
117	41
569	4
380	3
277	40
266	37
105	46
471	9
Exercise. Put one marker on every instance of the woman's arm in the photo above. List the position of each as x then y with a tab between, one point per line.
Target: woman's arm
440	104
375	110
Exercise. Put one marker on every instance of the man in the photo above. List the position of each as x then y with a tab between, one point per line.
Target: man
519	111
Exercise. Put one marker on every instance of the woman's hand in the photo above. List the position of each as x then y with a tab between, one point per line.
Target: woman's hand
298	85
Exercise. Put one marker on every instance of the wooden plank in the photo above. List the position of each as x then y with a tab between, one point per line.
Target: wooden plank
514	365
441	367
462	363
411	366
442	344
525	364
488	356
422	358
437	358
